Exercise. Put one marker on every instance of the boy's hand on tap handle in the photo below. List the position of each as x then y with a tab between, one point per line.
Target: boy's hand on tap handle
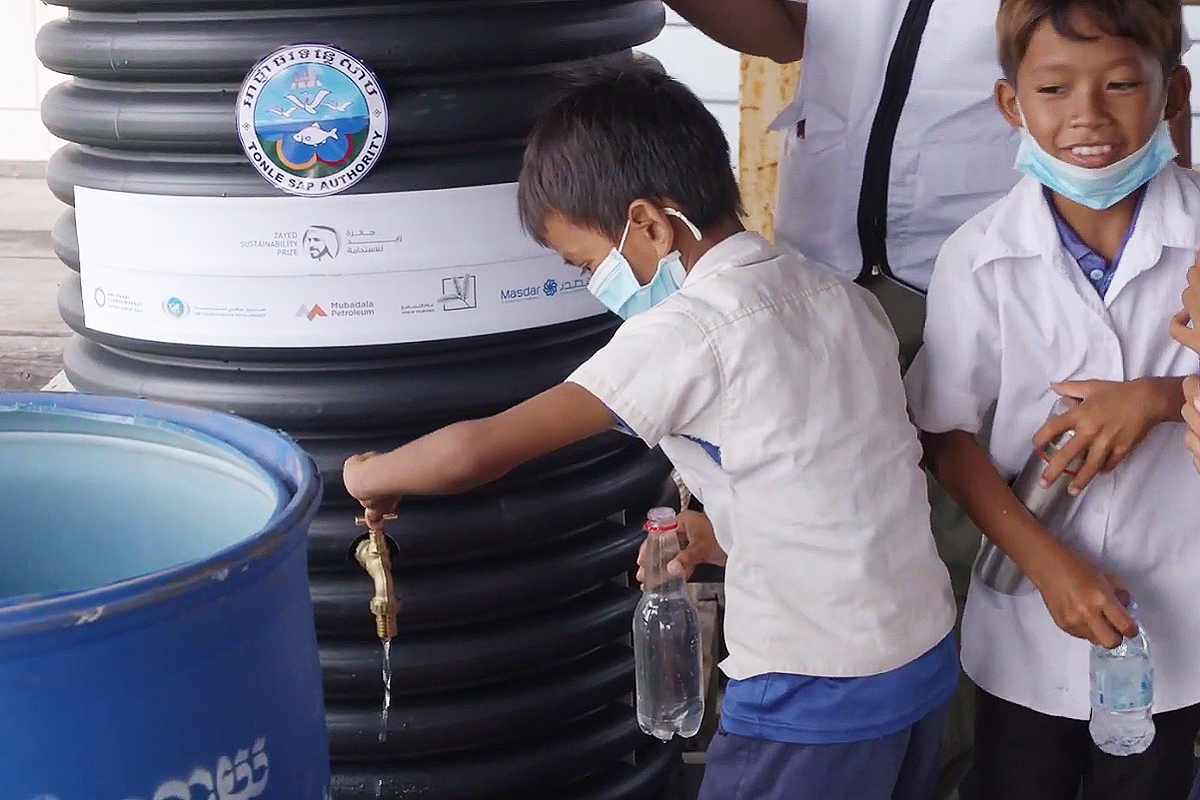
357	478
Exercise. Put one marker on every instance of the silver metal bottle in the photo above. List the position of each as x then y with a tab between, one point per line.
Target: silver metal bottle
992	566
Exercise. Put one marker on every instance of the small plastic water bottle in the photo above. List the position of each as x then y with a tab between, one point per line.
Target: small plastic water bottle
1122	693
666	639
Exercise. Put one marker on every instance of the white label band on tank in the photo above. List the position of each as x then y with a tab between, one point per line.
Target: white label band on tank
346	270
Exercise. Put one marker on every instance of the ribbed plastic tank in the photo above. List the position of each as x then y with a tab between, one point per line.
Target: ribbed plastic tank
363	319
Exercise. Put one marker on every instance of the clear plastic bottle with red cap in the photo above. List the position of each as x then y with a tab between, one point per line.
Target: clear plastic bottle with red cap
666	639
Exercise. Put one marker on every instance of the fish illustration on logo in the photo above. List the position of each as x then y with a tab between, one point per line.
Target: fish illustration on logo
315	135
312	119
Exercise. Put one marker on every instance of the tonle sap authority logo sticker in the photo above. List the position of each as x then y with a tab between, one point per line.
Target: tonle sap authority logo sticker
312	119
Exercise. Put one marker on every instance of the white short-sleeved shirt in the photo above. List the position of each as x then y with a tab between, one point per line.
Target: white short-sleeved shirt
953	151
1009	312
774	388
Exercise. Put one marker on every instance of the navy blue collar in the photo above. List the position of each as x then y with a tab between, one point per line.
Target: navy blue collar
1095	267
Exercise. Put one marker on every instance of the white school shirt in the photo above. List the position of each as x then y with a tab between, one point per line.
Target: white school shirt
953	151
788	377
1009	312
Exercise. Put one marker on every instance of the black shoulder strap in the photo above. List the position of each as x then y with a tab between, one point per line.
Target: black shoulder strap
877	167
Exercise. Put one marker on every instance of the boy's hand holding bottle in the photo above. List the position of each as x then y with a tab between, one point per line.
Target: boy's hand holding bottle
1111	420
1081	599
697	545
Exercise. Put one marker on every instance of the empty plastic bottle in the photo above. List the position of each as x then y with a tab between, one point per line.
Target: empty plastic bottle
666	639
992	566
1122	692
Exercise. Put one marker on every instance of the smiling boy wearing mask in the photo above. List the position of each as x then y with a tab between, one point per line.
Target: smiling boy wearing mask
1059	289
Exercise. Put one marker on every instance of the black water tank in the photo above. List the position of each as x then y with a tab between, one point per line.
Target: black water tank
511	674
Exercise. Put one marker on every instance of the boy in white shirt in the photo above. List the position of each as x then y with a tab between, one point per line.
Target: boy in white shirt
774	388
1061	288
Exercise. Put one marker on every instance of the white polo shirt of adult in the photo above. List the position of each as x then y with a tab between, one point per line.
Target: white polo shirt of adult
775	390
1009	312
953	152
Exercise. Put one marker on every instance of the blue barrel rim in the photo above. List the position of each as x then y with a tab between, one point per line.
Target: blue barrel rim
291	465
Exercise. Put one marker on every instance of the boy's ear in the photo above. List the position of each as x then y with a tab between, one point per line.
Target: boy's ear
1006	101
1179	89
656	228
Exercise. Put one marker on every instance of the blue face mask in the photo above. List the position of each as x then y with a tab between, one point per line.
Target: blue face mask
614	284
1096	188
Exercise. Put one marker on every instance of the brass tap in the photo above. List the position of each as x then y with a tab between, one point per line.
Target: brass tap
373	554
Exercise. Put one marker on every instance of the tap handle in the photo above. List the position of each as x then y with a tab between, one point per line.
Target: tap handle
362	521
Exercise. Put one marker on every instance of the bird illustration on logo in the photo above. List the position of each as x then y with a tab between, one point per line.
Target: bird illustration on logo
309	107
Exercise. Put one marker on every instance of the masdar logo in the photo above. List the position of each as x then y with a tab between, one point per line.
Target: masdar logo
312	119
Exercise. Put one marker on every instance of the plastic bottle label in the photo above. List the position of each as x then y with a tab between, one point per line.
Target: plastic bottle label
1115	691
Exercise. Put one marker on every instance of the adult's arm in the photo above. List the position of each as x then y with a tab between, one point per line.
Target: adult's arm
770	28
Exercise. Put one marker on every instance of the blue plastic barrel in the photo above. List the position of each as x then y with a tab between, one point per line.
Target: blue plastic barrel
156	630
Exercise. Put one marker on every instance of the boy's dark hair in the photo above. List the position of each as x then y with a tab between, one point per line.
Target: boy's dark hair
1155	25
623	131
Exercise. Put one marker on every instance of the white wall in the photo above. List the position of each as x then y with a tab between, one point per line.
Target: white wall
707	68
23	137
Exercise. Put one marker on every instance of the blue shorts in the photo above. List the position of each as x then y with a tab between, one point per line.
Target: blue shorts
900	766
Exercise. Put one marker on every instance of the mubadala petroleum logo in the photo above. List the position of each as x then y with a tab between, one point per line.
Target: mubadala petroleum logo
312	119
352	308
338	308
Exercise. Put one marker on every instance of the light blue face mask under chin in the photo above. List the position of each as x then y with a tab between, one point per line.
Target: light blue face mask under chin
614	284
1102	187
